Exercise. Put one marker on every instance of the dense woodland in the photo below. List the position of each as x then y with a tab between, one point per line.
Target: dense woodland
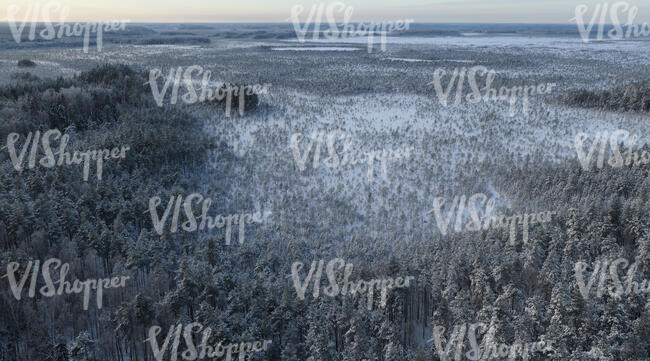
630	97
244	292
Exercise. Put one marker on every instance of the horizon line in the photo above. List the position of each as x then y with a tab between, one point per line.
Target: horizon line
4	21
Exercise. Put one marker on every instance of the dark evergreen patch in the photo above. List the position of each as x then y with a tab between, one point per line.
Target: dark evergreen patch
26	63
631	97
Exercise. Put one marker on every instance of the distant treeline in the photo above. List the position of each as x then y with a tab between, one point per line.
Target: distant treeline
133	34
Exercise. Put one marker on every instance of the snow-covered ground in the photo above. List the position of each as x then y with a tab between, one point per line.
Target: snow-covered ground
315	48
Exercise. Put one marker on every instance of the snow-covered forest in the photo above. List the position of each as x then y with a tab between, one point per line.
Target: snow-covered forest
555	285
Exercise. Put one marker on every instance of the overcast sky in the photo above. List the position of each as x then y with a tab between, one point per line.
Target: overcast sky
482	11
